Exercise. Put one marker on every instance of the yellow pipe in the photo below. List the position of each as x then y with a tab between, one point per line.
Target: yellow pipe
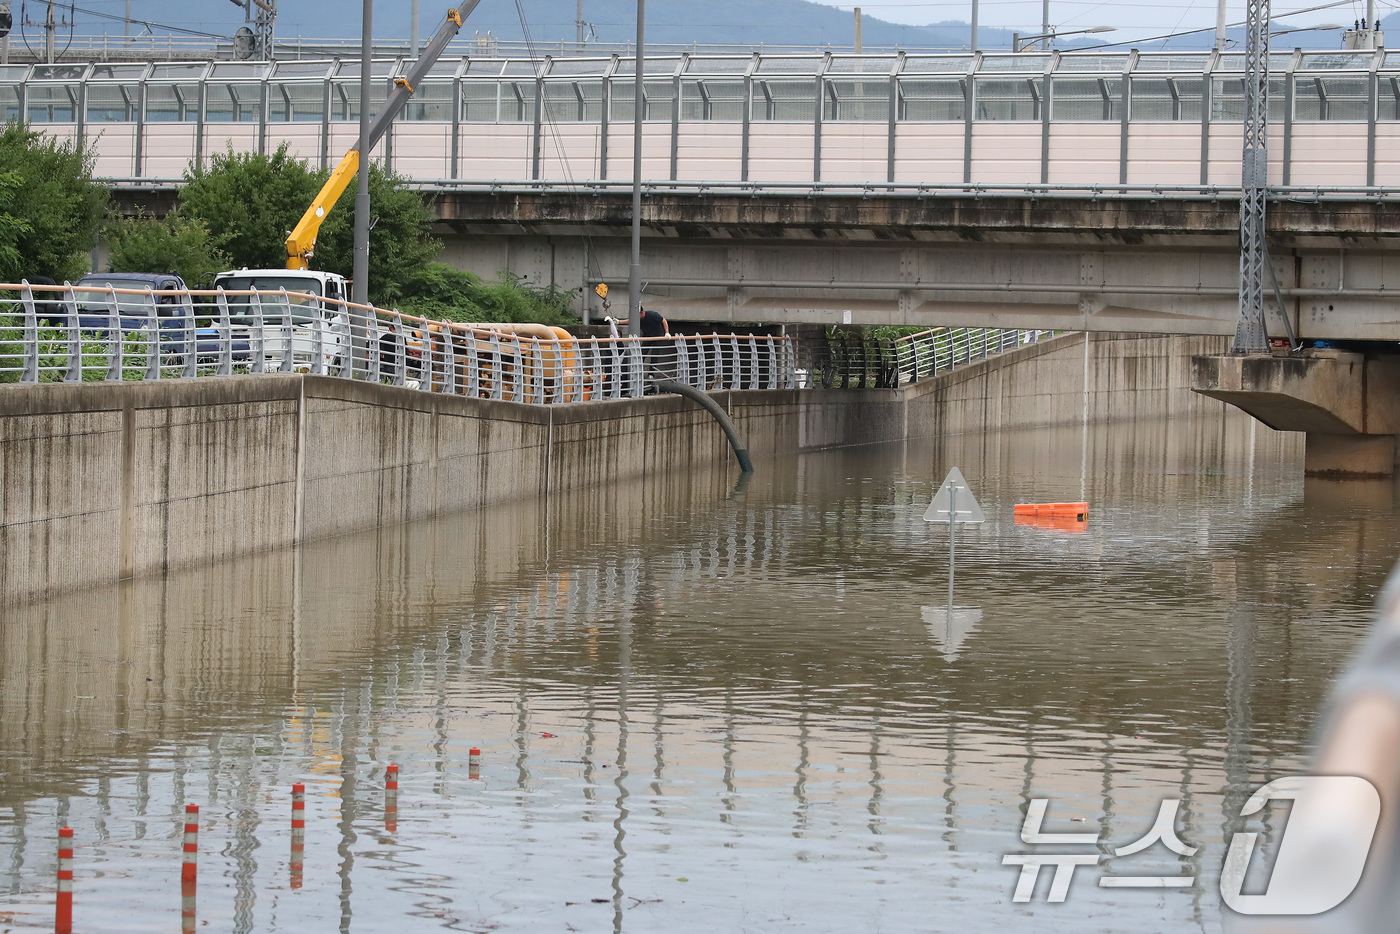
301	242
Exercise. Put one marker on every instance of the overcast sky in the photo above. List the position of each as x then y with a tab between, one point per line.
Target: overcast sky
1133	18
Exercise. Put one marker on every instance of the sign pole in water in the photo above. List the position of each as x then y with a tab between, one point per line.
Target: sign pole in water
953	503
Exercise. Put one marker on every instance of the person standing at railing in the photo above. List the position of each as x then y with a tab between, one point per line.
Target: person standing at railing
655	350
654	325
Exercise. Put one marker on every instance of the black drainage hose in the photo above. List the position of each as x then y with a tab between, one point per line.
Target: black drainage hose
741	453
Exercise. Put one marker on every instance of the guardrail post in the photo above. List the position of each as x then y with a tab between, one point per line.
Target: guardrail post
586	353
375	364
427	368
257	343
580	393
449	361
74	372
615	365
682	362
540	349
400	349
537	393
190	348
223	335
30	372
499	366
153	337
285	366
114	337
634	357
318	321
473	366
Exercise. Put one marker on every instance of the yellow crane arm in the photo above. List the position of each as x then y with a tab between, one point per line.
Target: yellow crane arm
302	240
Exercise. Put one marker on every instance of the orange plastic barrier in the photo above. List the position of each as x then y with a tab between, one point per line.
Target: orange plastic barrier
1053	523
1076	511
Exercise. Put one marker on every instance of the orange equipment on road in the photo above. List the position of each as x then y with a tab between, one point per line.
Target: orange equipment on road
1053	517
1077	511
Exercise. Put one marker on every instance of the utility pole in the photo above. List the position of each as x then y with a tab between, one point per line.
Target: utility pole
860	46
1250	334
579	25
49	29
1045	23
1367	35
8	18
413	29
126	24
361	262
634	269
1220	26
973	43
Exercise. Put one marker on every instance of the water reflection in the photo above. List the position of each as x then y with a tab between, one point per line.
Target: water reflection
702	707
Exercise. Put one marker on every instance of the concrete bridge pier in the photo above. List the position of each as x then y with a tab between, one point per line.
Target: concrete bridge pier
1348	404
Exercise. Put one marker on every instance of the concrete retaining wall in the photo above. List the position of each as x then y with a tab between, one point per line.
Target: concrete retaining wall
100	482
1063	381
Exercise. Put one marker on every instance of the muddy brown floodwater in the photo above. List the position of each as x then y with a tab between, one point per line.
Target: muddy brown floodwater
702	708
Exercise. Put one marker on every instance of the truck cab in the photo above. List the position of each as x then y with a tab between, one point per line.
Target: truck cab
294	317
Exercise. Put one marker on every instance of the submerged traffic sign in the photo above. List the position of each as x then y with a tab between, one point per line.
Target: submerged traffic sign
954	499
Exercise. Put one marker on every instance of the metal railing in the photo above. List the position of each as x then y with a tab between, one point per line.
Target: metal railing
106	334
847	360
85	334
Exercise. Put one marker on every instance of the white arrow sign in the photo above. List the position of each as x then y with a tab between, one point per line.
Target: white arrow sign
954	498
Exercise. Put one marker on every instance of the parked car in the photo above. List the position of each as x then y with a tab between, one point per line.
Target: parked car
101	298
95	304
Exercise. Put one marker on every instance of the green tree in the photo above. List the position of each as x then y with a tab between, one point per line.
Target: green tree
444	292
57	203
400	243
174	243
11	230
251	202
437	290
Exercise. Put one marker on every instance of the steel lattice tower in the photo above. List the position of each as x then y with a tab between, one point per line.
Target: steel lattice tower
1250	335
266	16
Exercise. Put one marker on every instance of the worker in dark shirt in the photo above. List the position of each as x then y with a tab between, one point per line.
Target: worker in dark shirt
653	325
658	353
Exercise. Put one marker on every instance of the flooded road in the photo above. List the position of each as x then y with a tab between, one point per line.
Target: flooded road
701	708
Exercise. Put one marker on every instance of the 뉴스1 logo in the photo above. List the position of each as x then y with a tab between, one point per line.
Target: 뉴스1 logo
1323	850
1318	863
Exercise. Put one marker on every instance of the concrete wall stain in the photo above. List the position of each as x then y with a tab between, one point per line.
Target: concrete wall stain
106	481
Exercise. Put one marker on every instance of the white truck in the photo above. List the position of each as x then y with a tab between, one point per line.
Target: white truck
286	322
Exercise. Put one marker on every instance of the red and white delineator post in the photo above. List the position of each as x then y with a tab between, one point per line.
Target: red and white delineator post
63	912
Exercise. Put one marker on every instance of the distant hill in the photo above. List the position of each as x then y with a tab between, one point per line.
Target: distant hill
717	22
769	23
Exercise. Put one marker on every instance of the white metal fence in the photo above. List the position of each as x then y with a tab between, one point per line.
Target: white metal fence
87	334
75	334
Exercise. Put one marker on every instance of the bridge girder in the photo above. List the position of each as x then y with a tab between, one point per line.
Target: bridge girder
1133	264
1113	263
